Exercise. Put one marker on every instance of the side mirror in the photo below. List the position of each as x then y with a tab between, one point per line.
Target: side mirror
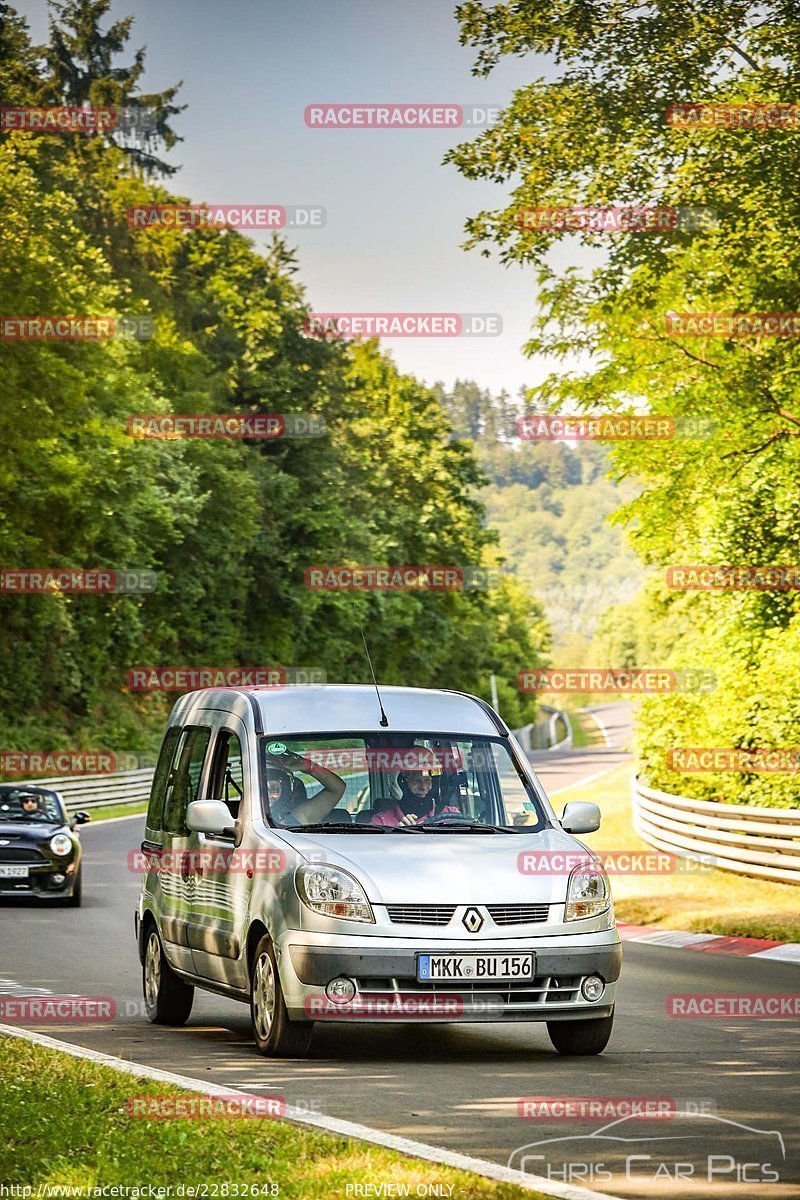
210	816
79	818
580	817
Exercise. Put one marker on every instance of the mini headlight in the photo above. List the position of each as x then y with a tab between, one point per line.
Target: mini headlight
334	893
588	893
60	844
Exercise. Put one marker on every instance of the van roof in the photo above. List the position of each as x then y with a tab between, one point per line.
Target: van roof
336	707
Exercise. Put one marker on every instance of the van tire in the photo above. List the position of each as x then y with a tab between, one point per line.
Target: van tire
167	999
275	1034
581	1037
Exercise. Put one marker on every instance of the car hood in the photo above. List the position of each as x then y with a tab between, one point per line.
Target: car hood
18	831
440	868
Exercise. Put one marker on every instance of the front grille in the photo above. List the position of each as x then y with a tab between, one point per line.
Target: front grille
421	914
20	854
540	992
518	914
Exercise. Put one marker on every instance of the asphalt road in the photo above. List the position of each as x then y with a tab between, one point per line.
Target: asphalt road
561	768
459	1087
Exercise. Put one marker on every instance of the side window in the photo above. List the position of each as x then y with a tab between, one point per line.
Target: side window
155	809
227	775
184	780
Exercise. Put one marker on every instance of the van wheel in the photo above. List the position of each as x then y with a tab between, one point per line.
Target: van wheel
581	1037
167	999
275	1034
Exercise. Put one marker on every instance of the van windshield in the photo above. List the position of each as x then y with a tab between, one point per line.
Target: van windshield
367	782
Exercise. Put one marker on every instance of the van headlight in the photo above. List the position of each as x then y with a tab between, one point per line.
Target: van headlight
60	844
588	893
334	893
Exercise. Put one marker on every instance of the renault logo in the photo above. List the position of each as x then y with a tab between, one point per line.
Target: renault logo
472	920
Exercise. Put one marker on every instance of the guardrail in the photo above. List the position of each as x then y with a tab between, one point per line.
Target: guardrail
100	791
543	734
763	842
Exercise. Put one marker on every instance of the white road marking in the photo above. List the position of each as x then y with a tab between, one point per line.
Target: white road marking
787	953
10	987
447	1158
674	938
600	725
585	779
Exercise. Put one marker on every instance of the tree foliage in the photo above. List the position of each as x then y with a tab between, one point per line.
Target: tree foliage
594	131
229	526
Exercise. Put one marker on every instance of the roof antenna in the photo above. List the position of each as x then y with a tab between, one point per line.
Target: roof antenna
384	721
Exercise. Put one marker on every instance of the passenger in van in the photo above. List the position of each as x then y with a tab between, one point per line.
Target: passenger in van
420	794
285	803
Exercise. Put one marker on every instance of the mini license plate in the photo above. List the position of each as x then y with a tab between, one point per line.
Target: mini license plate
469	968
7	871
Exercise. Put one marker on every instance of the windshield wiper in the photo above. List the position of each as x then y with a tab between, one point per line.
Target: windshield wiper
327	826
467	827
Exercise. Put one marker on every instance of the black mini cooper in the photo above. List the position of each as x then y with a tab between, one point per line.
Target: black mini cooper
40	852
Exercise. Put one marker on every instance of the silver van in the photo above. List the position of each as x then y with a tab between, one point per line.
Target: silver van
325	854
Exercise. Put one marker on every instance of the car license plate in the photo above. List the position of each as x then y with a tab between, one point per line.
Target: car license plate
455	968
7	871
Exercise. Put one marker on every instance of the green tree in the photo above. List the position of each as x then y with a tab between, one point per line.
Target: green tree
595	132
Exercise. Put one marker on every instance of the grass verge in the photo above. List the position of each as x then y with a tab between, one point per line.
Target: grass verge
65	1123
117	810
700	901
585	730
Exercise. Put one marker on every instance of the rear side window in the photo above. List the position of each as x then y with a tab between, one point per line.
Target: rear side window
155	809
183	783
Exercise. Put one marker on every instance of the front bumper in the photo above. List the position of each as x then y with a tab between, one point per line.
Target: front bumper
45	880
385	976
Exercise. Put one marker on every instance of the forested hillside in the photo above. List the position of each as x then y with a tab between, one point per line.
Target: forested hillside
551	503
229	526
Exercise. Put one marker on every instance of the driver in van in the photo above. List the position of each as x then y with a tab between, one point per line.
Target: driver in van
284	805
421	790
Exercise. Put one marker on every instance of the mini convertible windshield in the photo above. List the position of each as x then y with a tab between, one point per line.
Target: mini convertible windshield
30	804
420	782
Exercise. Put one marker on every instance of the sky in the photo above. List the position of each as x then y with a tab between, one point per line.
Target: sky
394	215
